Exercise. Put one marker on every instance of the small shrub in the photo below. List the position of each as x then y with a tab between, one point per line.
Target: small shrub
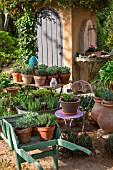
85	140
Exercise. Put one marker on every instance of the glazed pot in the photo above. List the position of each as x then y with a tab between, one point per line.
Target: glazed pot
105	118
46	133
96	108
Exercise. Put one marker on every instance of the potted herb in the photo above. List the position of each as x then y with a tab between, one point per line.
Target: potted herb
93	50
40	77
69	103
64	74
46	125
16	73
42	66
23	128
105	118
52	73
27	74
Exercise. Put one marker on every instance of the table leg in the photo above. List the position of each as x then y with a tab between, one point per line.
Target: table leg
71	122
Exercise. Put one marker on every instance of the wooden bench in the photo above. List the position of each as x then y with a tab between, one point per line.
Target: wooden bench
8	134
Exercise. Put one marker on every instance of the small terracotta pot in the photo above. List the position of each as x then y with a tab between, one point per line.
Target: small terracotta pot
64	78
27	79
12	90
24	135
17	77
56	76
69	108
46	133
39	80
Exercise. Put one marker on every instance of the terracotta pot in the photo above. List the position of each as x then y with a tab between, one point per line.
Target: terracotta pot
69	108
64	78
24	135
17	77
39	80
27	79
12	90
105	118
96	108
0	128
54	76
46	133
34	131
97	53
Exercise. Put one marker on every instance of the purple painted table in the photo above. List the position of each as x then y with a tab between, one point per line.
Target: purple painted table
59	114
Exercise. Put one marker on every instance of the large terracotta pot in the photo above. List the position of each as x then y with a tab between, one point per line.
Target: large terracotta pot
17	77
46	133
27	79
96	108
24	135
64	78
105	118
39	80
69	108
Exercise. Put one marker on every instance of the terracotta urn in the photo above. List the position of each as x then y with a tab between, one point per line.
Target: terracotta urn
96	108
105	118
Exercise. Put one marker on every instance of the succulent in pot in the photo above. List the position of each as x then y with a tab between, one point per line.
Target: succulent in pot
16	73
46	125
27	74
107	97
69	104
40	77
23	129
64	74
42	66
52	72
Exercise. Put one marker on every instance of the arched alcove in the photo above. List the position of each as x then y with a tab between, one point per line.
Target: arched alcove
87	36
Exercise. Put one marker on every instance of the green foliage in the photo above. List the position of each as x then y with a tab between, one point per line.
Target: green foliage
98	92
10	113
109	144
46	120
5	81
41	72
26	39
63	70
42	66
51	70
105	77
109	42
85	140
68	97
8	48
23	123
107	95
86	103
27	70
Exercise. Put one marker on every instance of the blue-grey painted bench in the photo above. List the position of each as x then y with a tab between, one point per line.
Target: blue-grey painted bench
10	137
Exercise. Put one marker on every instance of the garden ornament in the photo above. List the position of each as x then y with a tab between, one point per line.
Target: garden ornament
33	61
53	82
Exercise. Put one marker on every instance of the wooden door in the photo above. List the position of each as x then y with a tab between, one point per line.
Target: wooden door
49	37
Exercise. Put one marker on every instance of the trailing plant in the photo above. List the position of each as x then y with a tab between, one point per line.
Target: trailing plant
46	120
109	144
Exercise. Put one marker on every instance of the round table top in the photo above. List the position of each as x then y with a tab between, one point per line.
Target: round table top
59	114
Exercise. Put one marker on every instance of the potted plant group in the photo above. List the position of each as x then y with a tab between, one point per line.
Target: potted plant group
27	74
16	73
105	118
69	104
46	125
40	77
23	129
64	74
52	73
